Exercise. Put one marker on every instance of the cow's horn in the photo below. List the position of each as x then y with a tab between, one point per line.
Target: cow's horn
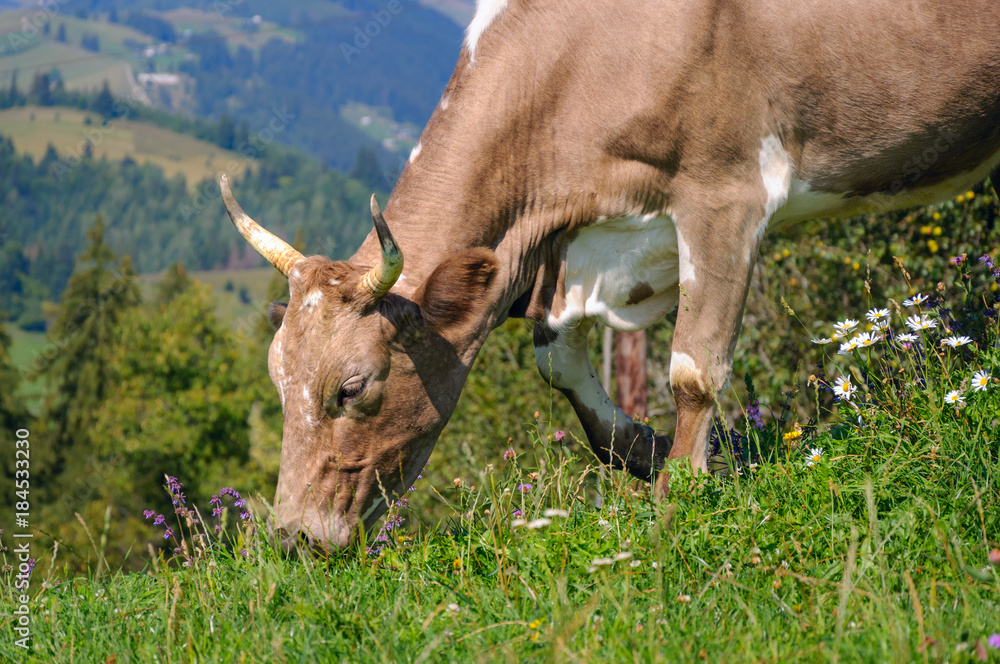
278	253
378	280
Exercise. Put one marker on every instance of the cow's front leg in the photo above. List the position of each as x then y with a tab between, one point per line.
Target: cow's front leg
717	257
563	361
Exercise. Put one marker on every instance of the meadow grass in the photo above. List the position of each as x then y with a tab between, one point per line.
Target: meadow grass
870	537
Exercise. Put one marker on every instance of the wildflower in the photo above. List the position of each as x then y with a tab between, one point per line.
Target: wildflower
822	341
877	314
510	454
865	340
555	512
793	434
916	300
815	456
604	523
635	563
845	326
168	533
955	342
906	337
957	260
159	520
994	557
954	397
920	322
518	513
848	347
215	500
843	388
881	325
524	488
559	436
517	523
684	599
980	381
753	415
539	523
244	515
457	482
994	641
148	513
603	562
623	555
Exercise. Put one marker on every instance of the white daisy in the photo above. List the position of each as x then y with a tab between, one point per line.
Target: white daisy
955	342
980	381
865	340
881	325
539	523
848	346
955	396
906	337
815	456
824	340
877	314
915	300
845	326
920	322
552	511
843	388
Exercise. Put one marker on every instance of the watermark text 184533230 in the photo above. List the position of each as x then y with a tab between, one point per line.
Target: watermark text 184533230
22	536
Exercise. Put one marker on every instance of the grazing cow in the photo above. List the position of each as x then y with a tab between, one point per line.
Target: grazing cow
607	161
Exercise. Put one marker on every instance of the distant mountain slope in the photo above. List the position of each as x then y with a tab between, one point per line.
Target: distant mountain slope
67	129
308	59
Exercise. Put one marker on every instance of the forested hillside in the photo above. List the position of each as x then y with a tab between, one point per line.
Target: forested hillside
48	205
304	59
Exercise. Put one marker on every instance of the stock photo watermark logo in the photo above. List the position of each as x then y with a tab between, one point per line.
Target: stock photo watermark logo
915	168
251	148
363	36
31	25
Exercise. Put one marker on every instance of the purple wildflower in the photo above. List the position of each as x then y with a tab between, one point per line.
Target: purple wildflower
218	528
994	641
159	520
510	454
244	553
753	415
244	515
518	513
524	488
986	260
957	260
559	436
168	533
148	513
215	500
239	502
217	511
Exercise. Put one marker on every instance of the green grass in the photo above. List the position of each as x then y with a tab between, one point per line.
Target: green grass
33	128
872	537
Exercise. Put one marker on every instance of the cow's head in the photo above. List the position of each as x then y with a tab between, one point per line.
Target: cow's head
367	376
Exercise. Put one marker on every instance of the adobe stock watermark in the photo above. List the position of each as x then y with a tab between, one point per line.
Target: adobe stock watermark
22	550
252	148
372	29
917	167
31	24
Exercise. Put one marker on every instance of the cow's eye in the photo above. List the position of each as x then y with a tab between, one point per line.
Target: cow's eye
351	390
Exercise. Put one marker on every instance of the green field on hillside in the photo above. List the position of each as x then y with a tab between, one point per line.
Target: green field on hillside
33	128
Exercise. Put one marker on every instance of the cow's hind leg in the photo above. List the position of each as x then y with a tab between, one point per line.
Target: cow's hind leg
718	251
563	360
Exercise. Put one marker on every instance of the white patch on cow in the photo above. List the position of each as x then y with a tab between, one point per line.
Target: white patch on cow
776	174
487	11
684	371
685	266
335	282
305	393
443	104
606	262
415	152
312	299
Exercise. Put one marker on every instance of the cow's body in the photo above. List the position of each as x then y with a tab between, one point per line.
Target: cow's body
621	159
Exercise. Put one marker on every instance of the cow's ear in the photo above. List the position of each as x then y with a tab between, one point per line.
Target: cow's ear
459	289
276	313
